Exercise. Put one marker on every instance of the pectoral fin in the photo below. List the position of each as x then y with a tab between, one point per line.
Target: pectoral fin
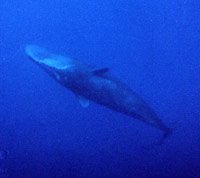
83	101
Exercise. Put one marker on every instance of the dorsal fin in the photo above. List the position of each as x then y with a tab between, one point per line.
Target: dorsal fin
100	71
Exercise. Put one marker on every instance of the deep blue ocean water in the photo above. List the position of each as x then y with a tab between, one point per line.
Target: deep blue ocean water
152	46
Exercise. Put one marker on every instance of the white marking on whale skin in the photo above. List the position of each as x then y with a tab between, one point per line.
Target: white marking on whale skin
83	101
57	76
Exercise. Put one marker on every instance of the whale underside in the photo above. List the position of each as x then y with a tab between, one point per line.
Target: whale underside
89	83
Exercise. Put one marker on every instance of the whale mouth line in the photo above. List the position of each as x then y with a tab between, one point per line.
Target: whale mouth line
42	56
54	63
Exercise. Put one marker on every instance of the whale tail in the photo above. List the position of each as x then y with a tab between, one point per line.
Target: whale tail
166	133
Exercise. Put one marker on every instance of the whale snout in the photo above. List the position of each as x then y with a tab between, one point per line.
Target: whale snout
37	53
42	56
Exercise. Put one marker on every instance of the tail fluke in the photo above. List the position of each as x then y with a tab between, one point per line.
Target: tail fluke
166	133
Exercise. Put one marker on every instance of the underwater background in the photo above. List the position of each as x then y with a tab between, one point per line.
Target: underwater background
152	46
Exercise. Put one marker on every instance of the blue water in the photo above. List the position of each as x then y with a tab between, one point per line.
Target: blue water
152	46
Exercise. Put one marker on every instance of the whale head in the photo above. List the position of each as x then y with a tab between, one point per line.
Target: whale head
50	62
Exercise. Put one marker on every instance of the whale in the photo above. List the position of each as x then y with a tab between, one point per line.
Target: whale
90	83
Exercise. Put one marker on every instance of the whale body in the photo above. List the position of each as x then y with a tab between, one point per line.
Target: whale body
89	83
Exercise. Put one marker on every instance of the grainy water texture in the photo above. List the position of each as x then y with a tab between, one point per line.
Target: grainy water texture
151	46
